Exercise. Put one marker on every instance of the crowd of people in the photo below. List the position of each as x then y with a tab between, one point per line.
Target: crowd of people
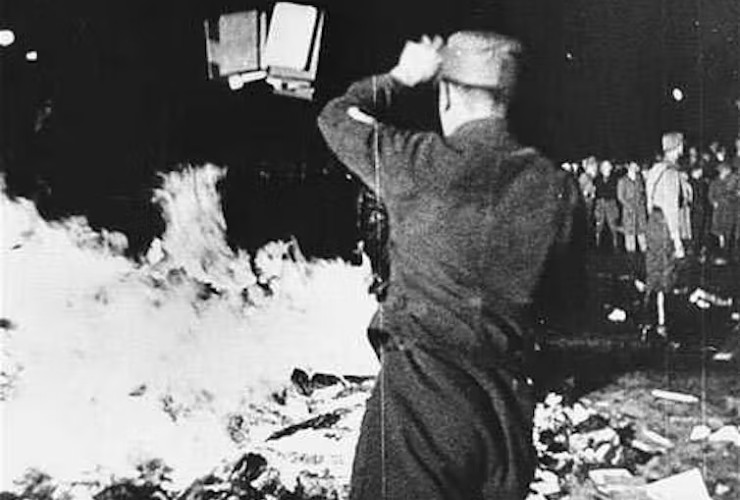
708	200
685	202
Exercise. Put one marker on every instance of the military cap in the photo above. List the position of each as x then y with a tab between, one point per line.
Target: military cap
480	59
671	141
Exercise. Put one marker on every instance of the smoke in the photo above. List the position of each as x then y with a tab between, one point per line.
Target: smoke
108	362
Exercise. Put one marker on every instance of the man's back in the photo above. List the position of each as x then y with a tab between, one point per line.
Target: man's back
472	219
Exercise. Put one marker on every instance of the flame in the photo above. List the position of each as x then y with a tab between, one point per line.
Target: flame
108	362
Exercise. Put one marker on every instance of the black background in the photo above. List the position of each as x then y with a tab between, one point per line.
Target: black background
130	94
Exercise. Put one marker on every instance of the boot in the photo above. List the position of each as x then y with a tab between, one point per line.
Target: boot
646	319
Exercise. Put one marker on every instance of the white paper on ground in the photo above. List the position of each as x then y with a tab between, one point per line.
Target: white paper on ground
675	396
723	356
687	485
700	433
727	434
657	438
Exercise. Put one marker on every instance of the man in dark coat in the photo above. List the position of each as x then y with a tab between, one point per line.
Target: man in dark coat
473	218
606	211
700	209
631	196
723	195
588	192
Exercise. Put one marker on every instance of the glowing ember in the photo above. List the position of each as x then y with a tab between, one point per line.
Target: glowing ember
108	363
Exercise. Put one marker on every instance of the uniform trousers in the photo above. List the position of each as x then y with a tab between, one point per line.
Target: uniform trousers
436	429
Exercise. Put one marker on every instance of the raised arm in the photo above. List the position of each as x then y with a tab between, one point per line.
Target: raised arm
372	149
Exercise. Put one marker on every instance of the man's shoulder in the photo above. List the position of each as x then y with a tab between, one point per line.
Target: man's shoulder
664	170
531	157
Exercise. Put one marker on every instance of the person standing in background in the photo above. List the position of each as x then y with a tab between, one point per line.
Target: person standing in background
588	192
631	196
700	209
724	199
664	244
736	159
693	157
606	211
685	200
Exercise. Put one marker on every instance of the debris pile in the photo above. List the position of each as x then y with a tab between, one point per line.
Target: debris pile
599	448
298	444
574	441
301	443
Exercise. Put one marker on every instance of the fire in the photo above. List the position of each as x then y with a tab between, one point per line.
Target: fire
109	362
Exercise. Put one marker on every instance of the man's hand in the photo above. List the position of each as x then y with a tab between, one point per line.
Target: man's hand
419	61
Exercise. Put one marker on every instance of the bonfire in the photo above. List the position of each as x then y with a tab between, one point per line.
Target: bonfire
111	363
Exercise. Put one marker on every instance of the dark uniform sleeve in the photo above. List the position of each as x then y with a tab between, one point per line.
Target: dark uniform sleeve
369	147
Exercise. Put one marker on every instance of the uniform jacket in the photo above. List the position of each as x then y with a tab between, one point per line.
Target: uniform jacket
472	219
663	187
631	195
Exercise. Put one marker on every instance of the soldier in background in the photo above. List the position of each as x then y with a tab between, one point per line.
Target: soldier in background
663	186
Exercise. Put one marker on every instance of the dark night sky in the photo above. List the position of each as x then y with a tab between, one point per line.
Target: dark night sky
128	77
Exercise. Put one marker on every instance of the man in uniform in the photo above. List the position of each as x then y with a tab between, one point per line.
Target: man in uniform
473	218
664	187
